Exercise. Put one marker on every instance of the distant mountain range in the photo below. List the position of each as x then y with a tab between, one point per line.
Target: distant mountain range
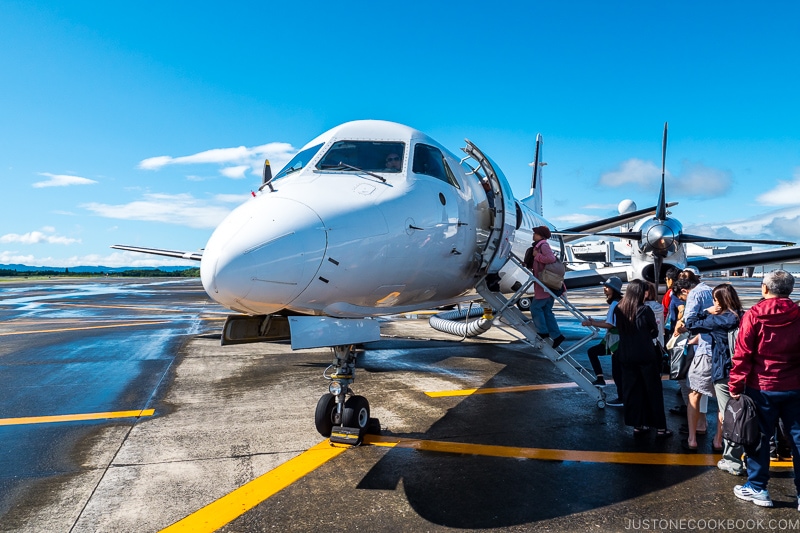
89	269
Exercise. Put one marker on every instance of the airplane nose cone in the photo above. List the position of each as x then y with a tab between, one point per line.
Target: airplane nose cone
263	255
660	237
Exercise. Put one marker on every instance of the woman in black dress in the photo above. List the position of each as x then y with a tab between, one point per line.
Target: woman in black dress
640	362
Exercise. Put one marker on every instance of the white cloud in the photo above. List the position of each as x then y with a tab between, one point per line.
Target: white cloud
700	180
15	258
179	209
61	180
236	172
37	237
786	193
781	224
695	179
633	172
242	158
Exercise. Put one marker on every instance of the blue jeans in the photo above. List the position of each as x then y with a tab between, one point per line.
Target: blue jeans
773	405
543	317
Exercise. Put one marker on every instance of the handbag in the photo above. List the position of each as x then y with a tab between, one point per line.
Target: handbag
740	422
662	356
611	340
674	339
552	275
680	359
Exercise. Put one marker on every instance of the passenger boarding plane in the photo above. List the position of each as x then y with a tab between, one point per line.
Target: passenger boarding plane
374	218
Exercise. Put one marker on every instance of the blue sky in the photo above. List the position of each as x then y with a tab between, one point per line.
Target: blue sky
144	123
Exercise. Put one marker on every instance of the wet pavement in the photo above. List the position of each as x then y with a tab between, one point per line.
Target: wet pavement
476	435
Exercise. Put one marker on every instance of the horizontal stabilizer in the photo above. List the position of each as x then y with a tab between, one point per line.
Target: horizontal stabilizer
193	256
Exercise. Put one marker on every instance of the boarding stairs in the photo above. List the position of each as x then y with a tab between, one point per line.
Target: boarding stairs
507	310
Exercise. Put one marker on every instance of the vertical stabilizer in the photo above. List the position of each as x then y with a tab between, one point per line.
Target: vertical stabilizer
534	199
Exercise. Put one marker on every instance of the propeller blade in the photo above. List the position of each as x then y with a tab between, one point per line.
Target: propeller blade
630	235
661	209
685	237
598	225
658	262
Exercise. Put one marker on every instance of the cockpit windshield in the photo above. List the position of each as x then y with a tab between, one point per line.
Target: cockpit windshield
372	156
298	161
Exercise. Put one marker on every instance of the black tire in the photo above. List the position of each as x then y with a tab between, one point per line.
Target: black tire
356	412
324	417
524	304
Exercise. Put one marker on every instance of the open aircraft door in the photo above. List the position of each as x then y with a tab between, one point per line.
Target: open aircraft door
496	247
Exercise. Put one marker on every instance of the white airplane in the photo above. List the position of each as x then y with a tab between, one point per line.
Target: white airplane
370	219
658	242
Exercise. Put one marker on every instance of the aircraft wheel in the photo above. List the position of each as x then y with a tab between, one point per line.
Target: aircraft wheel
524	304
356	412
325	416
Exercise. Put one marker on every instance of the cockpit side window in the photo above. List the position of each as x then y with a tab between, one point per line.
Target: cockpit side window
298	161
374	156
430	161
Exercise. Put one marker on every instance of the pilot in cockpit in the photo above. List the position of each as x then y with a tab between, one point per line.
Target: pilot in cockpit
393	162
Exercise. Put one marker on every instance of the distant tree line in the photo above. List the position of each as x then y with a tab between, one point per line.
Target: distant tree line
133	273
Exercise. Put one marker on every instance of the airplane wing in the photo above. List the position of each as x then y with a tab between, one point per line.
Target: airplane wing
193	256
745	259
584	230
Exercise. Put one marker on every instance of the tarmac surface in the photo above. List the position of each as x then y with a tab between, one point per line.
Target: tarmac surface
120	411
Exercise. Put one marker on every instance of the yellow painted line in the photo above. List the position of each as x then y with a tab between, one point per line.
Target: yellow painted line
143	323
521	388
72	418
231	506
586	456
226	509
500	390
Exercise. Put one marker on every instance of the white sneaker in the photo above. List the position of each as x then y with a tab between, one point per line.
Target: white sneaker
751	494
730	467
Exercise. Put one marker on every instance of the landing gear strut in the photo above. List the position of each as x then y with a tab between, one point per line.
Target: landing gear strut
341	418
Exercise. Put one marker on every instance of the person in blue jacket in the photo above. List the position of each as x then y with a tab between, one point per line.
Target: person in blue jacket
718	321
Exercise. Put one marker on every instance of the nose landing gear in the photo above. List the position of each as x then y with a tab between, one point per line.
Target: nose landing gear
344	420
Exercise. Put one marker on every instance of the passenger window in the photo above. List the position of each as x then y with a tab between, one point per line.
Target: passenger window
430	161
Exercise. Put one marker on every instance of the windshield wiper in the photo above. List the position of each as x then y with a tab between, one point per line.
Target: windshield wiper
290	170
283	174
341	165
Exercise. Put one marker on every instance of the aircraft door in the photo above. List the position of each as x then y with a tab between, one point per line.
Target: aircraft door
442	197
497	248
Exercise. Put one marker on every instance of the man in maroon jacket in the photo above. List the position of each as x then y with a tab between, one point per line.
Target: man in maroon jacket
766	367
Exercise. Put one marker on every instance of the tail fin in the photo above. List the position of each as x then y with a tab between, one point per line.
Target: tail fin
534	200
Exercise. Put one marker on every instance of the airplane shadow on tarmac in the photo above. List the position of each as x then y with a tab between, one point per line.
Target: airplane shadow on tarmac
472	491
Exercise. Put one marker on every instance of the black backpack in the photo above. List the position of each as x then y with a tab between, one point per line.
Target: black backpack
740	424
